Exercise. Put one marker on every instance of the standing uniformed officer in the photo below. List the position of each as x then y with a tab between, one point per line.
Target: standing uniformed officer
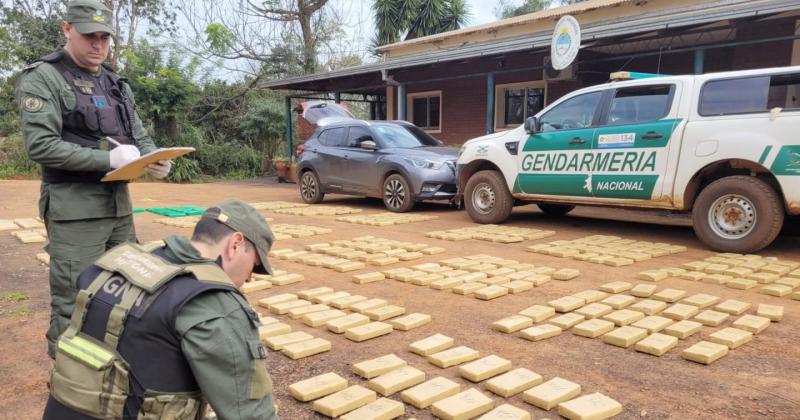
71	105
157	334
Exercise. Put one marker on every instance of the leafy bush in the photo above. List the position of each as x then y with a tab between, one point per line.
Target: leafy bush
14	160
228	160
184	170
224	160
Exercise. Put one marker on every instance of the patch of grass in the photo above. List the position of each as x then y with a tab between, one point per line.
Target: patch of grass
17	297
22	311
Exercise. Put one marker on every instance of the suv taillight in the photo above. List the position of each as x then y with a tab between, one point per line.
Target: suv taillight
300	149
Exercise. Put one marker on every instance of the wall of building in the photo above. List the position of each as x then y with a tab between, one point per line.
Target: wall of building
463	108
463	84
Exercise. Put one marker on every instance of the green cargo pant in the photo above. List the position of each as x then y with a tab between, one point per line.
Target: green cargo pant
74	246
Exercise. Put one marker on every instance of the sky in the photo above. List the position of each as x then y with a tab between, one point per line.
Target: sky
482	11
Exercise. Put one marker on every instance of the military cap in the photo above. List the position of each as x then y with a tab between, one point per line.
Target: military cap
243	218
89	16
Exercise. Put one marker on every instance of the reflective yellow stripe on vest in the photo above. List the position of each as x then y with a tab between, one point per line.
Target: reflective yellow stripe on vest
85	351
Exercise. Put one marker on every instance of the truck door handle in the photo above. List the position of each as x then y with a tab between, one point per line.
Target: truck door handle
577	140
652	135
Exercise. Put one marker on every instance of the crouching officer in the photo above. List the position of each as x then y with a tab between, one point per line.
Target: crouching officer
156	335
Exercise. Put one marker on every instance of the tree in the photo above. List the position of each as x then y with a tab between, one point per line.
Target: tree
304	12
263	32
162	86
264	125
397	20
129	15
29	29
506	9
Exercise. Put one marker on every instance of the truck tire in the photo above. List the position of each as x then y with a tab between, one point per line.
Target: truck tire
310	189
397	194
555	210
487	198
738	214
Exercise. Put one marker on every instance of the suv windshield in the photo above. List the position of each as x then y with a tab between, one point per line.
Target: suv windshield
404	136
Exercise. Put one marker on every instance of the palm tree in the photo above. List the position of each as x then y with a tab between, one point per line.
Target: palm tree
409	19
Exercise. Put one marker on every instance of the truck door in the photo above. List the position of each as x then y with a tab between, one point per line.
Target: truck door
631	146
553	160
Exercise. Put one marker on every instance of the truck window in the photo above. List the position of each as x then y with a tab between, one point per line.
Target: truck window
734	96
577	112
784	91
640	104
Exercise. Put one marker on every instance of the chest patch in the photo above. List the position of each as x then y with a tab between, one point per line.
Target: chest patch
85	86
99	101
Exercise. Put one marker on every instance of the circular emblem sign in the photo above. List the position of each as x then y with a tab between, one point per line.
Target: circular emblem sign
565	43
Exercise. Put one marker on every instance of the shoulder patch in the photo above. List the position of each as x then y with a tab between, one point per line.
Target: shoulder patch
32	66
139	267
32	103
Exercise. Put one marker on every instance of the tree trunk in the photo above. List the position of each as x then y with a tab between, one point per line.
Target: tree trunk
166	127
309	41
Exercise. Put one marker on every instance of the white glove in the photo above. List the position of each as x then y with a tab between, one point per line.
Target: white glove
160	169
122	155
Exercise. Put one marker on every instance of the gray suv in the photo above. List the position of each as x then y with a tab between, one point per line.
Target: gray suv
392	160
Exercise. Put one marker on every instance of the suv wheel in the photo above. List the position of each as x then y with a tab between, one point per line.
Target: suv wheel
487	198
310	190
555	210
397	195
738	214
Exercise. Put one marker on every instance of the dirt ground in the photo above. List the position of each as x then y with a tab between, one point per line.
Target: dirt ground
758	380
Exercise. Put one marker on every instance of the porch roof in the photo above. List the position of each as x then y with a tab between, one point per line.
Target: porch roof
367	78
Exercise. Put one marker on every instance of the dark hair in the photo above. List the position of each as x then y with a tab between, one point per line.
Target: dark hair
212	231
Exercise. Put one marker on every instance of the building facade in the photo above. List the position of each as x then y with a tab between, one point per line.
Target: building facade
469	82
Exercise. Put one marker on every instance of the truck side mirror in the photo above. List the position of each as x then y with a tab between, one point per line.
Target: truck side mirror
530	125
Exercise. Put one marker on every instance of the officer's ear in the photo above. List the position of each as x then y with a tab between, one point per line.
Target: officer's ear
234	243
65	27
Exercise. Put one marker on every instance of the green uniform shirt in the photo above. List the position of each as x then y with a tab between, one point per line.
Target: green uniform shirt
41	132
218	341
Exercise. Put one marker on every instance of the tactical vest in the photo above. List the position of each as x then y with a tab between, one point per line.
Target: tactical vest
102	109
121	356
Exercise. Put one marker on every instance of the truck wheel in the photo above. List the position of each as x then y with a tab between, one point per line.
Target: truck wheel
487	198
310	190
555	210
397	195
738	214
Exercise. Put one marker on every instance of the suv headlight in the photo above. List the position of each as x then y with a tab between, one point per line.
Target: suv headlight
424	163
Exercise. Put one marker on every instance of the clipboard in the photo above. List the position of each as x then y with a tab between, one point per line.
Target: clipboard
135	169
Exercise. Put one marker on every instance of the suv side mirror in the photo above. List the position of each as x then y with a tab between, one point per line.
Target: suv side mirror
368	145
530	125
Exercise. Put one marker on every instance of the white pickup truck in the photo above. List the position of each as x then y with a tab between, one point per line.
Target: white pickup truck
723	146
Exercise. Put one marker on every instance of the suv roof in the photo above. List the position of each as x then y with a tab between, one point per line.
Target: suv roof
364	123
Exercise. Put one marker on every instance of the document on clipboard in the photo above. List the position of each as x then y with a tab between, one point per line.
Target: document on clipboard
135	169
